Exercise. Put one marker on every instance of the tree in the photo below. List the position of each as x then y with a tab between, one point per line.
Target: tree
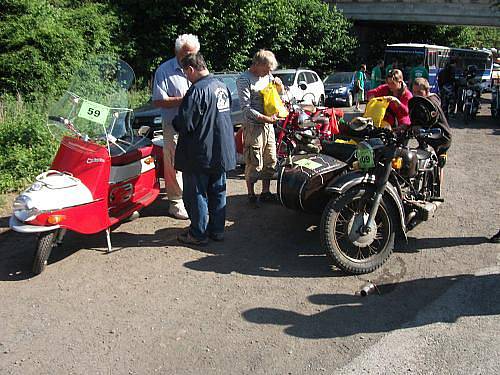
299	32
43	41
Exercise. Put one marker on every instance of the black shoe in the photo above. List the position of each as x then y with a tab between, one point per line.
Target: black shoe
188	239
252	201
218	237
268	197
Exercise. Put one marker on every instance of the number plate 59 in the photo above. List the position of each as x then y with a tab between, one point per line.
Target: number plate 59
94	112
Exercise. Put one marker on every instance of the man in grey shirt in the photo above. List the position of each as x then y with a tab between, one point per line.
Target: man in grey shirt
259	147
169	87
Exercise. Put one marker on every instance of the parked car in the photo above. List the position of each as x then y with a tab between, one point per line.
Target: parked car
339	88
302	84
150	115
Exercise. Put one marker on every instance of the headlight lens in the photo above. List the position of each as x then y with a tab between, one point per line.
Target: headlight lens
341	90
23	208
157	120
469	92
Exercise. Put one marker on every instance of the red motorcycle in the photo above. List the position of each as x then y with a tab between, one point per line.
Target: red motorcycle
305	127
102	173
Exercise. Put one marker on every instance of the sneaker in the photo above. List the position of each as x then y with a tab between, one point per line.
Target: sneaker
216	236
252	201
178	211
188	239
268	197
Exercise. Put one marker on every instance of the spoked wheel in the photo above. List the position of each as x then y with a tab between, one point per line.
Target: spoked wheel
341	237
46	241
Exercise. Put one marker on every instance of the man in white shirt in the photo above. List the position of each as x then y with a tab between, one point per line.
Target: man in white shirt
169	87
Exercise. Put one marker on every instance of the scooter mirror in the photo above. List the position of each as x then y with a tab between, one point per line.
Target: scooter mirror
143	130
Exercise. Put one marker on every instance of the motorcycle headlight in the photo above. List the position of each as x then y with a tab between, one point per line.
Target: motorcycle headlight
469	92
24	209
304	120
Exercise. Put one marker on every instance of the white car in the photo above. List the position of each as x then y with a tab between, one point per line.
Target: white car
303	85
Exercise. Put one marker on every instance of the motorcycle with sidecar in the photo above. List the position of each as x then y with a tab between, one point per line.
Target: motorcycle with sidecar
368	192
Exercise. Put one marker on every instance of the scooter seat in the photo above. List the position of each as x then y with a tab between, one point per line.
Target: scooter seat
137	150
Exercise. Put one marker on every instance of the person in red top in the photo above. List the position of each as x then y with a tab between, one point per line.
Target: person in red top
396	91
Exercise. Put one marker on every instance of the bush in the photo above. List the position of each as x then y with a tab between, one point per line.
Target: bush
26	146
43	41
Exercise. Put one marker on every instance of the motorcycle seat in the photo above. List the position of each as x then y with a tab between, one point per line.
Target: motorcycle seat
139	148
340	151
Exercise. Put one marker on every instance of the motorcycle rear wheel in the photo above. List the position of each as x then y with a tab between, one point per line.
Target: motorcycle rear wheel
337	228
45	242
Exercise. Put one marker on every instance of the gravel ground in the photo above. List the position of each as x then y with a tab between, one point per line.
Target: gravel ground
266	300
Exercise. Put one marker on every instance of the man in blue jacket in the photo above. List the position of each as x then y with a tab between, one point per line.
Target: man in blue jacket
205	151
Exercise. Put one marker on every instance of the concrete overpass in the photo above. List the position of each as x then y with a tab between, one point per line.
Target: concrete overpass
447	12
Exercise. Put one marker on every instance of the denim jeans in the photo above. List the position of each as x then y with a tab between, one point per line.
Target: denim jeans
204	197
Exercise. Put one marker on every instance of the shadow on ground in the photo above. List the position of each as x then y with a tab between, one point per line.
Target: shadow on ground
394	308
269	241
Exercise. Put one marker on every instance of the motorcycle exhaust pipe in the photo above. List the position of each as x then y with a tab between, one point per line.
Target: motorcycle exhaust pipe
369	288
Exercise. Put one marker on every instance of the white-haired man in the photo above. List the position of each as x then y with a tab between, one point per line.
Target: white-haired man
169	87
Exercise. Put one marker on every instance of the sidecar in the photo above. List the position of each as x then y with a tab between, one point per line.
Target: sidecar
303	178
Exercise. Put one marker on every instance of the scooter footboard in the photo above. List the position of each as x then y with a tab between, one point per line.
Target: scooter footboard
301	183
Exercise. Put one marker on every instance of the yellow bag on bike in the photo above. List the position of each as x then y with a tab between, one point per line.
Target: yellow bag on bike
273	105
375	109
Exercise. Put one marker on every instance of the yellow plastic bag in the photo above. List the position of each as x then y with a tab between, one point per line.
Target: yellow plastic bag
375	109
273	105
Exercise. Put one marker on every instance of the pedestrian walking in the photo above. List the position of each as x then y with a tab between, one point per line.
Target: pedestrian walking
359	86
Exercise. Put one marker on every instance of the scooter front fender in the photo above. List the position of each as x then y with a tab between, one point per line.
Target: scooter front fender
19	226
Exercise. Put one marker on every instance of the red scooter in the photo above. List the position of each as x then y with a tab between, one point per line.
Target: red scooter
102	173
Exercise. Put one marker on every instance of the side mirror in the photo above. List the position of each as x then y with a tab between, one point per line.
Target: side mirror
302	85
143	130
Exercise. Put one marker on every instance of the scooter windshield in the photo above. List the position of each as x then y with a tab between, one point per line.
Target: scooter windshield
95	106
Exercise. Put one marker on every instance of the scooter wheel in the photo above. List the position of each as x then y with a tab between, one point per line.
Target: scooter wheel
45	243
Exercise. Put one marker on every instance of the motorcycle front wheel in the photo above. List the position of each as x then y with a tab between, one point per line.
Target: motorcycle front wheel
341	222
45	242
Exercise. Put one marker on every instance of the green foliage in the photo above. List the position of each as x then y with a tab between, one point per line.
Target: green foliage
300	32
26	146
43	41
